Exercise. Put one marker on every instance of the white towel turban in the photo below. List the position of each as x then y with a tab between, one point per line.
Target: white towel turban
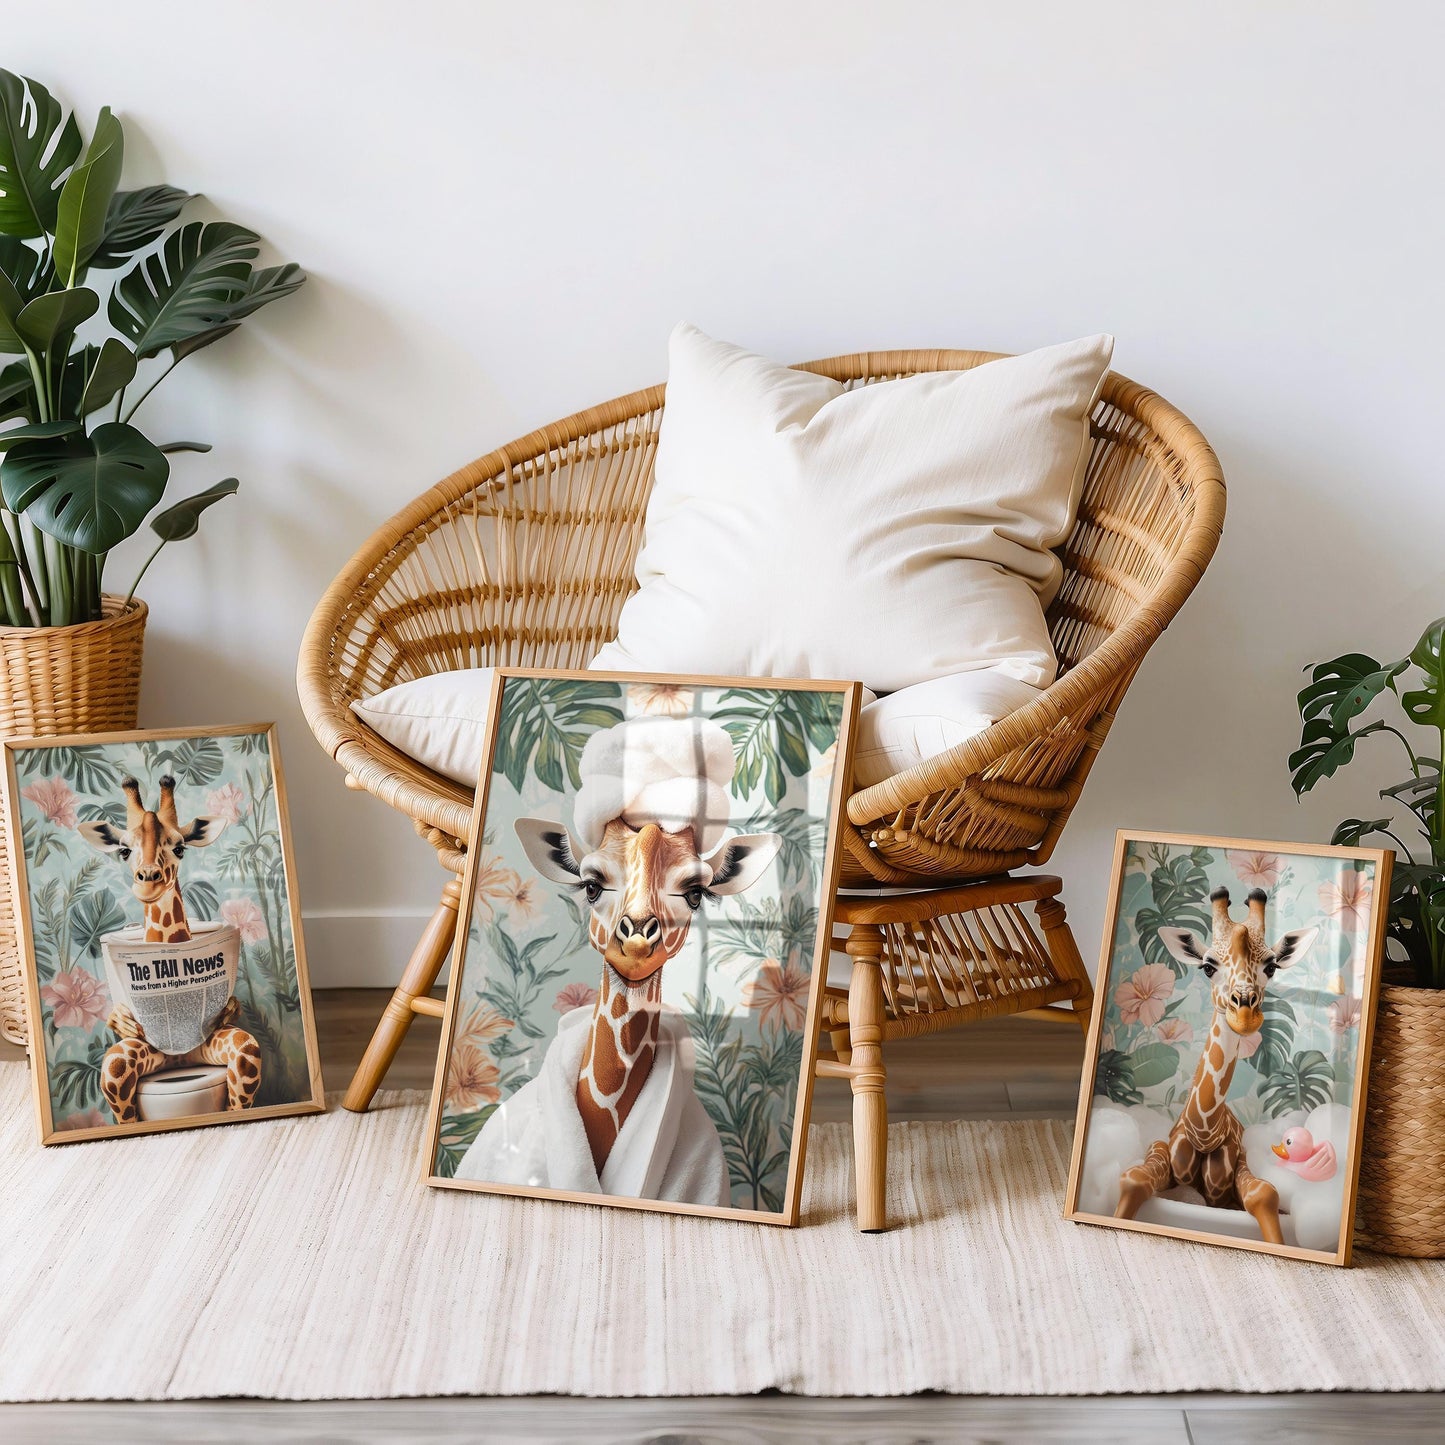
670	771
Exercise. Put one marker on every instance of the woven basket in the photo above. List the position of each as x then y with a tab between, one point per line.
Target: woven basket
53	681
1401	1207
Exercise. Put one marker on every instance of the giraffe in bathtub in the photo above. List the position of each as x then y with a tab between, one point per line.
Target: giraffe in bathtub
1205	1147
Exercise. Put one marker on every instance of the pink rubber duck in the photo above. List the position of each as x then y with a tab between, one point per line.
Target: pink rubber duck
1299	1153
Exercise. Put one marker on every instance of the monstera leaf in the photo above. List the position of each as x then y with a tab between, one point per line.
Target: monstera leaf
1348	833
183	520
38	145
85	198
136	218
1114	1077
262	287
23	277
88	492
186	288
1345	687
1426	704
1323	752
1178	888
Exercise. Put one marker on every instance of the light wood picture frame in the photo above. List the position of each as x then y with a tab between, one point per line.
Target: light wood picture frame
1236	1018
165	967
704	822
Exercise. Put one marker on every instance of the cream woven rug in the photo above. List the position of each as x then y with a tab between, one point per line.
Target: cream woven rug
301	1259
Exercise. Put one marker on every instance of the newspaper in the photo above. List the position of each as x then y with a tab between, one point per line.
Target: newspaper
175	990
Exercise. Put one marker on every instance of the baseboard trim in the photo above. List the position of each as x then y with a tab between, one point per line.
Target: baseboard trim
360	950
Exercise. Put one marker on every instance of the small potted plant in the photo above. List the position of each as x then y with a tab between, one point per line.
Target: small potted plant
78	475
1402	1199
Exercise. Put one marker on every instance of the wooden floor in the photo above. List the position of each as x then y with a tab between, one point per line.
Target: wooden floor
1009	1068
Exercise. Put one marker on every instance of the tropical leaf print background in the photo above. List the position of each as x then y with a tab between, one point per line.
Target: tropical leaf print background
77	895
1158	1012
743	977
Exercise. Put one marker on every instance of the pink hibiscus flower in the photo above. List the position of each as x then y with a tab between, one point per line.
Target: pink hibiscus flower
1345	1014
1142	996
1255	870
1174	1031
54	798
227	802
76	999
244	916
574	995
1348	900
1249	1044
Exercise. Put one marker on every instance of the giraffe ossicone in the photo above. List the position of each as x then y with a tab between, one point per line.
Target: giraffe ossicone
1205	1147
150	847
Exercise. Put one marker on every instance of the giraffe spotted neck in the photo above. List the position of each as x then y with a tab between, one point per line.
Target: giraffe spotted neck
1207	1121
617	1057
165	917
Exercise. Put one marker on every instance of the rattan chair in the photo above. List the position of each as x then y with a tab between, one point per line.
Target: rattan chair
525	557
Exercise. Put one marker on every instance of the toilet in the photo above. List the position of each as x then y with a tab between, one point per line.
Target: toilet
182	1093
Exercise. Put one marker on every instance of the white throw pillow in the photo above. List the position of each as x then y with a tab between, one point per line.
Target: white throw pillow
441	721
895	533
916	723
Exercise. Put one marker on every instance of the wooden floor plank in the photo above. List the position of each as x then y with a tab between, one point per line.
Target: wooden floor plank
784	1419
1326	1419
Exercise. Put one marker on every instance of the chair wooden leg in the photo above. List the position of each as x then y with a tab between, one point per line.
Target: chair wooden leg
868	1075
417	981
1064	952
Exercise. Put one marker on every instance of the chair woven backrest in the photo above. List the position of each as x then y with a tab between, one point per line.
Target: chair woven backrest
526	556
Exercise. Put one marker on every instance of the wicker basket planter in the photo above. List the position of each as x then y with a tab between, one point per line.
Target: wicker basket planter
54	681
1402	1168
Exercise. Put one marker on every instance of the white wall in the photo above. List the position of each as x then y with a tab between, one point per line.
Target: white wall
505	207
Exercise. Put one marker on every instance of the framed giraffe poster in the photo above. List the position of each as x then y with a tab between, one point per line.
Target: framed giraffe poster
1224	1082
633	1007
160	931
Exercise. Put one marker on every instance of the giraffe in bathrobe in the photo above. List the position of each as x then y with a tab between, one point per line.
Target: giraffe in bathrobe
642	886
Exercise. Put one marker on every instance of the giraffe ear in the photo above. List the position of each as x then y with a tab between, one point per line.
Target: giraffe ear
1293	946
1183	945
101	836
201	832
740	862
553	851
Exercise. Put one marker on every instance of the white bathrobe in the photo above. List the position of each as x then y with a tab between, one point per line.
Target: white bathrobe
668	1147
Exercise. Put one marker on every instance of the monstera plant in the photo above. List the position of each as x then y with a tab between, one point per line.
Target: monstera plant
1332	710
78	475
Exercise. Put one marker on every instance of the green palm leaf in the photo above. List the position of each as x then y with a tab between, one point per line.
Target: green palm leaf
85	198
1304	1083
